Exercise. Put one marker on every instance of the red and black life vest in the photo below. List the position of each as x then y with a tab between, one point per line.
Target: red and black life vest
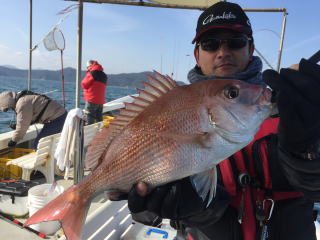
247	177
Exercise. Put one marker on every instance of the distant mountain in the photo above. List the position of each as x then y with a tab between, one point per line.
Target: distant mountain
10	66
131	80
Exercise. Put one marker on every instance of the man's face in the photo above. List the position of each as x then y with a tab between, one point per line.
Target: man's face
224	61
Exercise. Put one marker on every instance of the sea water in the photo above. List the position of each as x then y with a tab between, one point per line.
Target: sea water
52	89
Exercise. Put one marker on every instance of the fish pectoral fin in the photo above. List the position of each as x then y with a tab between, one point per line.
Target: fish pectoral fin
116	195
205	184
204	139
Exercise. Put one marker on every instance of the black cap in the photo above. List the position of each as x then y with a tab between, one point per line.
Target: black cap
224	15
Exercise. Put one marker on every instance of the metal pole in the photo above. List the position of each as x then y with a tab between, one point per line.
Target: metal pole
178	6
30	46
78	160
281	39
79	57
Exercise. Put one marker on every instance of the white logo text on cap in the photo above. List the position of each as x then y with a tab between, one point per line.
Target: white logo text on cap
210	18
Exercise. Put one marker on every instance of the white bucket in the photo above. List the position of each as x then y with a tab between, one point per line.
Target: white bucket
38	197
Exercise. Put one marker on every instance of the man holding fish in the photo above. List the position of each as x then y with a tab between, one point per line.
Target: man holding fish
267	189
207	155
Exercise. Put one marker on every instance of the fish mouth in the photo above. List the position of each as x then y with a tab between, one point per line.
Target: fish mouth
234	117
265	97
233	137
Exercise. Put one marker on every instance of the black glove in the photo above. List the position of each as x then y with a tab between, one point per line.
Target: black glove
12	143
172	200
13	126
298	100
179	201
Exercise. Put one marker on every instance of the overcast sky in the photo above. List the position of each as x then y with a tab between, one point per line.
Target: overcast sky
128	39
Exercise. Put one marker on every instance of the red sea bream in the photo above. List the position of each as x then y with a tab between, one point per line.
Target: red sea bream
167	133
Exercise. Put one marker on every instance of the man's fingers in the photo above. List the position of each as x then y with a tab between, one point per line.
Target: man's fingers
302	84
294	67
273	79
310	68
136	197
142	189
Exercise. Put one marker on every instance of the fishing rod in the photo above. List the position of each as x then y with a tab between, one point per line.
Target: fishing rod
10	219
315	58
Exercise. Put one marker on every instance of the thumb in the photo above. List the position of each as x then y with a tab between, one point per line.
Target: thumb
272	78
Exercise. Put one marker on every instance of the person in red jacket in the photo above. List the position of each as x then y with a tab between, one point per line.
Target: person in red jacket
94	91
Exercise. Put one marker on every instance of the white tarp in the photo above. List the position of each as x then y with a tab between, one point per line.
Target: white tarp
188	4
191	3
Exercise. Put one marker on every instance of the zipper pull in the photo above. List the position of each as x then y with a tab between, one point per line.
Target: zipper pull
244	180
241	207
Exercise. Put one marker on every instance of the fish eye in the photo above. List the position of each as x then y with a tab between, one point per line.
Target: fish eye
231	92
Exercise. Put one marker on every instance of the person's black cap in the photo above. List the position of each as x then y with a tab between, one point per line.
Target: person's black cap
223	15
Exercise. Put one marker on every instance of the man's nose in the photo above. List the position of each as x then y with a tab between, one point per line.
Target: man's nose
223	50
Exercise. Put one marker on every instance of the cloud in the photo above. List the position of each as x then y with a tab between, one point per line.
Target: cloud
23	34
115	21
12	57
303	43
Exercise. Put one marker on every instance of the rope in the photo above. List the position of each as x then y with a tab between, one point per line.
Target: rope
66	11
62	80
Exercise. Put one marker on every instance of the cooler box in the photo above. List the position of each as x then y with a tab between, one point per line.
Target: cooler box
14	196
139	231
11	171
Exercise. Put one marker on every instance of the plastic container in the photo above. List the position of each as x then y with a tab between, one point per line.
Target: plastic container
12	171
107	120
38	197
14	196
142	232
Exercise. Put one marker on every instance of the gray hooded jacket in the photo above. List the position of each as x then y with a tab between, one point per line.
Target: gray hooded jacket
27	108
252	74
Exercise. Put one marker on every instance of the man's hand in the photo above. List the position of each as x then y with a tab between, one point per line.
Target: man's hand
166	201
13	126
177	201
298	100
12	143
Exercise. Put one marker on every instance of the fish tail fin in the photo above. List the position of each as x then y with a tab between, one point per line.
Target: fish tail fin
69	208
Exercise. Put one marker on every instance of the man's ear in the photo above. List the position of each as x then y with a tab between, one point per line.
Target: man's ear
196	54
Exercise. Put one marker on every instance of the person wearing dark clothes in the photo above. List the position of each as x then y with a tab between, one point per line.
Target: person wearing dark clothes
31	108
94	91
266	190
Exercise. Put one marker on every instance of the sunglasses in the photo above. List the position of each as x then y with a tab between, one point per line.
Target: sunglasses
213	44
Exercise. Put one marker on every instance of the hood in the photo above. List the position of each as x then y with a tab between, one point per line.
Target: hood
96	66
7	100
251	75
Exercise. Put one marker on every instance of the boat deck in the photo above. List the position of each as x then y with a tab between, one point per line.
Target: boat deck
15	232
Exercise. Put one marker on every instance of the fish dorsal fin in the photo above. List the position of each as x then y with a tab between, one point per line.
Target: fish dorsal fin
154	89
